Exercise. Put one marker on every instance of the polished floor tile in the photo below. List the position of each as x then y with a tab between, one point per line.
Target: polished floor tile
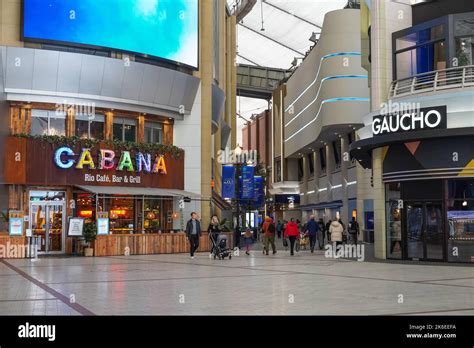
306	283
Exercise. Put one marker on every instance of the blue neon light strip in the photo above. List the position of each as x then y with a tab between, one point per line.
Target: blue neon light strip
319	90
319	69
332	100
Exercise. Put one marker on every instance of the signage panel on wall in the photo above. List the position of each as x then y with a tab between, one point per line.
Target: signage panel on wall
259	199
228	182
15	222
168	28
247	190
408	121
102	223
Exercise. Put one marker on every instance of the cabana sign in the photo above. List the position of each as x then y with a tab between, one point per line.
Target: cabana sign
108	160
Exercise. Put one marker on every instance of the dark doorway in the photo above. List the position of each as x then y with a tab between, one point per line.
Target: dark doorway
424	231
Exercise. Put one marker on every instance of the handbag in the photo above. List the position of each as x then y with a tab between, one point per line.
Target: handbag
285	242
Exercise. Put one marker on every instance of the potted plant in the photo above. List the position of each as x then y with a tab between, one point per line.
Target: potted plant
90	233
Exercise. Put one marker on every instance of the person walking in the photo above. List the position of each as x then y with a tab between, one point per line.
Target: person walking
269	230
336	230
321	233
354	230
279	229
248	238
285	239
193	232
312	227
213	230
328	232
292	233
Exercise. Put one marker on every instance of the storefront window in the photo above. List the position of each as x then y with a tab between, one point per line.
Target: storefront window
125	129
394	221
425	58
154	218
464	50
48	122
153	132
85	206
48	196
122	215
420	37
460	215
90	127
464	27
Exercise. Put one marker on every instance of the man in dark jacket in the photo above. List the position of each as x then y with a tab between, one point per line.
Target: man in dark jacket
193	232
328	233
321	233
312	228
354	230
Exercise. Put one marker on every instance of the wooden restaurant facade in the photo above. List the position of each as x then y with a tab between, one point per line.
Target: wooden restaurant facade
120	171
88	131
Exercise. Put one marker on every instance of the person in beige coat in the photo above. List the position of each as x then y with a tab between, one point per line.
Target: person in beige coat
336	231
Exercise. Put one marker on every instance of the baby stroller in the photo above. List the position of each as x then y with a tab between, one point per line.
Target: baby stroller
220	248
303	241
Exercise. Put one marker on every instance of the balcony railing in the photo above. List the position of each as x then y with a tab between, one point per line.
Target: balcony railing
438	80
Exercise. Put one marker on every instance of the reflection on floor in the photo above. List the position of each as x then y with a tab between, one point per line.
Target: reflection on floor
276	284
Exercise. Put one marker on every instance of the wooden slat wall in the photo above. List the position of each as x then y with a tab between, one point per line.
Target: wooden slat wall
143	244
20	120
168	134
109	122
71	122
141	129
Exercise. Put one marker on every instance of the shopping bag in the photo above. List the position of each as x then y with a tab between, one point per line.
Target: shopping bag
285	242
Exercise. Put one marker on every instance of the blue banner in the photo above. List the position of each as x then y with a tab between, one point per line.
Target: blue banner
259	199
247	190
228	182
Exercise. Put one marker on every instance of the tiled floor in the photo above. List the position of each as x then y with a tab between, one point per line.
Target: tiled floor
174	284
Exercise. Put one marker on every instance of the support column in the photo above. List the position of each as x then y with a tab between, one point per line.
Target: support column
345	160
206	70
380	237
330	166
317	173
305	199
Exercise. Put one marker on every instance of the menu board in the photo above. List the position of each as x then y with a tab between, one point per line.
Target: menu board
15	222
76	226
102	223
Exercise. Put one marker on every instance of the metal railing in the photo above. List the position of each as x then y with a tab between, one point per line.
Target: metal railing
458	77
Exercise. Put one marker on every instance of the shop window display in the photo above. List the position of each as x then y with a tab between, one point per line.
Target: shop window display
154	220
122	213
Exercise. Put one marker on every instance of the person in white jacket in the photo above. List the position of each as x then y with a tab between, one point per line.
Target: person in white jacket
336	230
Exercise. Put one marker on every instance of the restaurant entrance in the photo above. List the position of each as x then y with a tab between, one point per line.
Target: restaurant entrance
424	231
47	216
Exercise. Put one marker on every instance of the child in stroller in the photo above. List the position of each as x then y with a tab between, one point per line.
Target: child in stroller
220	248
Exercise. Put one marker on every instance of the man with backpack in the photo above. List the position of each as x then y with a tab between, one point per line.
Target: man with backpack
354	230
312	228
269	231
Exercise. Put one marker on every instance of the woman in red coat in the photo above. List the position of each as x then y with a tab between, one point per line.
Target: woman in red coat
292	232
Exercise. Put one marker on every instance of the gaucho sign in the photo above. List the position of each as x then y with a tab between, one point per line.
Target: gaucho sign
408	121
